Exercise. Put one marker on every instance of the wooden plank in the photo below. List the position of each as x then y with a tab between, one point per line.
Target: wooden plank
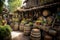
35	8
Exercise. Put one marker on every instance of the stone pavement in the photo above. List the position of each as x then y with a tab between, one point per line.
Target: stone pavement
18	36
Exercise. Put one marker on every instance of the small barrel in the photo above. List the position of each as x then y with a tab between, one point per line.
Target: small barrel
47	37
52	32
27	29
15	28
35	34
21	27
49	20
12	25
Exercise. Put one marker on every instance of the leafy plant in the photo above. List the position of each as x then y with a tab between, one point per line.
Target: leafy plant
1	5
5	32
13	4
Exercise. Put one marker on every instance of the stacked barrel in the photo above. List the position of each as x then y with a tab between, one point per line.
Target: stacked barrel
21	27
35	34
27	29
15	26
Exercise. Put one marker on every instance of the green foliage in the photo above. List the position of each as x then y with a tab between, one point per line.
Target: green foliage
5	31
13	4
1	5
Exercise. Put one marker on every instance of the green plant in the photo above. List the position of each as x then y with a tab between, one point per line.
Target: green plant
13	4
5	32
1	5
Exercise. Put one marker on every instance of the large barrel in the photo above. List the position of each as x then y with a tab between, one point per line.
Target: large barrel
27	29
15	28
21	27
35	34
47	37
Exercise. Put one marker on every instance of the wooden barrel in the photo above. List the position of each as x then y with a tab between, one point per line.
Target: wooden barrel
35	34
27	29
21	27
49	20
45	13
12	25
47	37
52	32
15	28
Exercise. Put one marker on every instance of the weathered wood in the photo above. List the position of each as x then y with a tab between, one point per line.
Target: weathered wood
36	8
35	34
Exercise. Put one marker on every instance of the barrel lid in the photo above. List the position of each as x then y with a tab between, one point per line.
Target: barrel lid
35	29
